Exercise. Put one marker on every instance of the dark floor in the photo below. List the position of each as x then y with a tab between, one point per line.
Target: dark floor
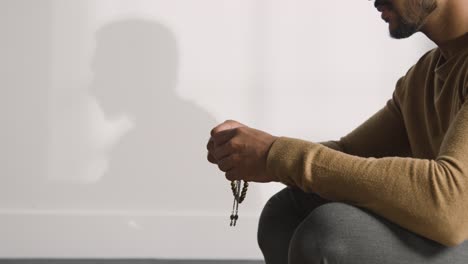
124	261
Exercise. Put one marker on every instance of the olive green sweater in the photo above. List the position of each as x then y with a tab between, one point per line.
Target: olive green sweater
408	162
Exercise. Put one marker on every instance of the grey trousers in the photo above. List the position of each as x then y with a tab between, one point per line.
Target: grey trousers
302	228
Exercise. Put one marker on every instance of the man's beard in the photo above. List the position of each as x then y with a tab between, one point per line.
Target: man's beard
413	18
404	28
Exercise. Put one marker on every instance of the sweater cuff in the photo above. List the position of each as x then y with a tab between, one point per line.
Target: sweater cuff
285	162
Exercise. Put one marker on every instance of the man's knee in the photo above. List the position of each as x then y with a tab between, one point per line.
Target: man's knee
281	215
275	209
324	236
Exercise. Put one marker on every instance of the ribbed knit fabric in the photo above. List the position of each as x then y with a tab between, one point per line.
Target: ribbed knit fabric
408	162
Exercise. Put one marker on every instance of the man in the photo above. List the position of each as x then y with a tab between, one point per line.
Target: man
394	190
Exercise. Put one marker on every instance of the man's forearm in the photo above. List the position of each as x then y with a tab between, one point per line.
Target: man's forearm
429	197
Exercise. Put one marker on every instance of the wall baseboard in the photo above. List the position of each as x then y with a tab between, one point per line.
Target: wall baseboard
129	235
125	261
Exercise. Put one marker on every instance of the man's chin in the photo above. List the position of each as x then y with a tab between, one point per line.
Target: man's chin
400	32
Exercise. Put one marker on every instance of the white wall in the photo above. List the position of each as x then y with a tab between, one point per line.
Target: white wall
107	106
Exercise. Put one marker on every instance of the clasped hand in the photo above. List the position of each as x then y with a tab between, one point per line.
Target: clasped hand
240	151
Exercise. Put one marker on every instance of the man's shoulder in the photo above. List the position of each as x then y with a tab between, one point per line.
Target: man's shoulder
425	65
417	74
427	61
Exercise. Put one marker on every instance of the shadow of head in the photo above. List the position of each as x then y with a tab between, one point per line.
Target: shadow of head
134	66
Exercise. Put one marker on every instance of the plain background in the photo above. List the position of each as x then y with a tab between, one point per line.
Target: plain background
106	107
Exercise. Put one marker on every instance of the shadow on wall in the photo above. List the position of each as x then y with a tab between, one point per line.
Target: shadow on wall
124	142
159	160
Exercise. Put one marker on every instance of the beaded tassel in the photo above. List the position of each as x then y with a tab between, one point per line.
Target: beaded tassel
239	197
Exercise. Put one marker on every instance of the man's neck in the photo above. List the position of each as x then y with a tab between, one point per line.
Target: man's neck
447	22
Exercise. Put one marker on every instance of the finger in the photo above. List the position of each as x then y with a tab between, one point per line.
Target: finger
210	144
210	148
226	164
233	175
211	159
221	152
226	125
224	136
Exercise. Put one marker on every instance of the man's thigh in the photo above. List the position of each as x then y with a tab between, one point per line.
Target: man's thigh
341	233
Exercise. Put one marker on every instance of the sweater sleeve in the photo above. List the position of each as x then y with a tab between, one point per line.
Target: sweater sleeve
428	197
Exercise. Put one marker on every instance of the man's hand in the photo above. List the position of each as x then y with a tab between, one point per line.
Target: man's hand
240	151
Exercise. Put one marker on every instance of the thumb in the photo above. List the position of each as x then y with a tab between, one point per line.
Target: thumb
226	125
